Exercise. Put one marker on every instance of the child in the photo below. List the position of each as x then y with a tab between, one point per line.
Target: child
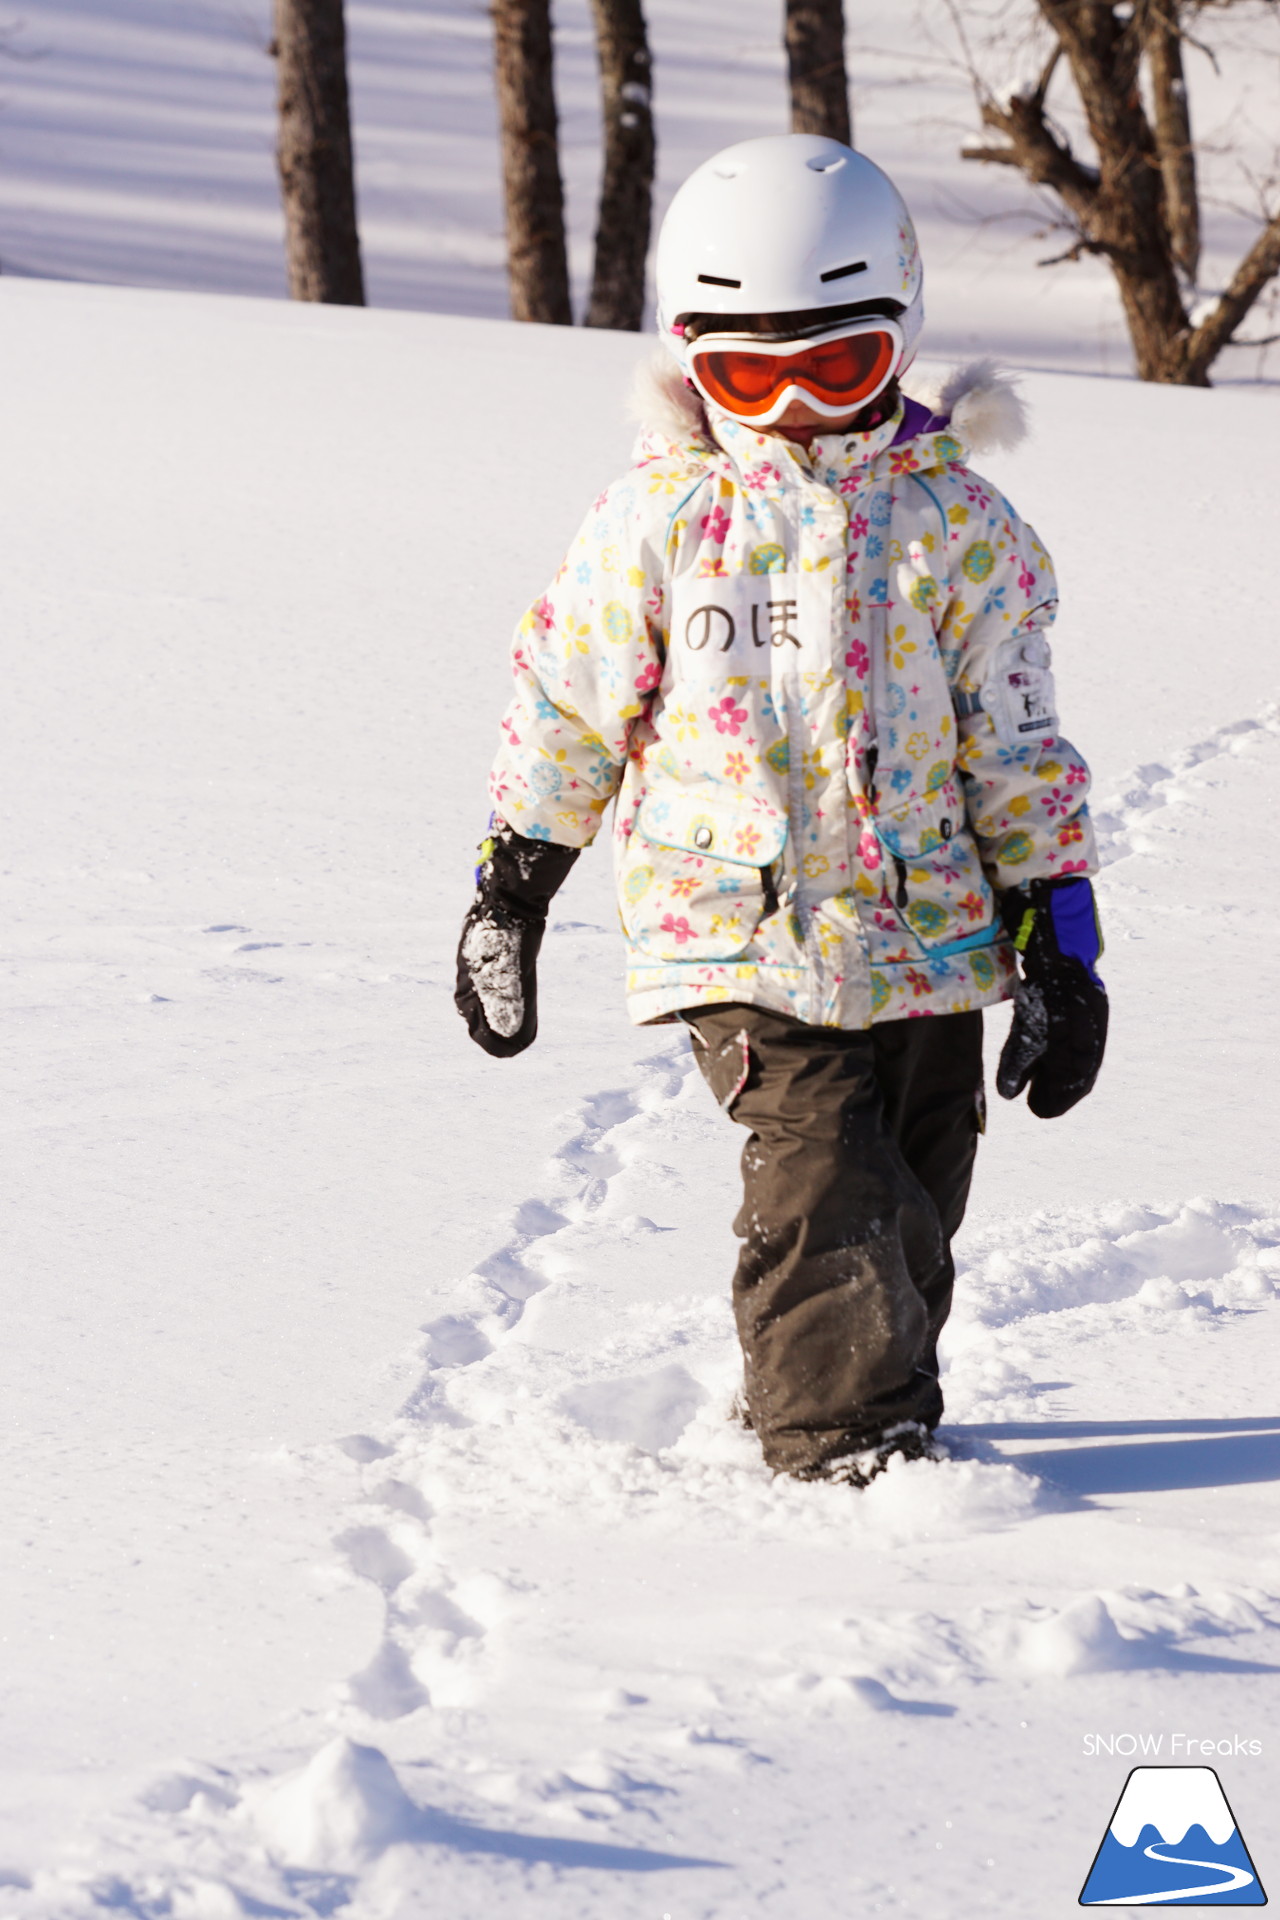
803	645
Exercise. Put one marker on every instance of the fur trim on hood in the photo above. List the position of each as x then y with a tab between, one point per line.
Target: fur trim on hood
662	401
982	404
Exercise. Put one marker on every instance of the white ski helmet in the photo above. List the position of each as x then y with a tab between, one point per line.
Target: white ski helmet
791	225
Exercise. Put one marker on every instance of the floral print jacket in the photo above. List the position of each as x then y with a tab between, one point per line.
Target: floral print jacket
818	686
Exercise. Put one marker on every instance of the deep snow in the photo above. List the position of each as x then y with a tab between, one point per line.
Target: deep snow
375	1531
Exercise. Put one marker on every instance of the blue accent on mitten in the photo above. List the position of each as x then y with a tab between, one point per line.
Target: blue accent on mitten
1075	924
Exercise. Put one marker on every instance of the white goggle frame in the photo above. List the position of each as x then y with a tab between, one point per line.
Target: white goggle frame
751	343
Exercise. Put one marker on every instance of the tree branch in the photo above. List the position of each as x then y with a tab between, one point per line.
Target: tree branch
1103	53
1162	31
993	156
1075	251
1217	329
1036	150
1040	92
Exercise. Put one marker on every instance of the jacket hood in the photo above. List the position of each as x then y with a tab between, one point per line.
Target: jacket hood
976	402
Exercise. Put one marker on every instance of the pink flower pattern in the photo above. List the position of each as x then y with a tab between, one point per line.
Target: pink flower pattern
728	716
859	659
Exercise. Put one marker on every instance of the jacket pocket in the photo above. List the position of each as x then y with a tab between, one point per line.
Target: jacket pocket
932	872
694	878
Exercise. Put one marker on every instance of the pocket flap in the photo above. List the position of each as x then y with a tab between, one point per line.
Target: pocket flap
923	824
720	828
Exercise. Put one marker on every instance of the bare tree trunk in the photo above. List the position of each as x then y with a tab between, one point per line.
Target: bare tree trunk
1128	211
537	259
1173	134
816	69
317	177
626	186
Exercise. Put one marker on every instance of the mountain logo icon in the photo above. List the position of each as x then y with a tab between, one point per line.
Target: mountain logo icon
1173	1842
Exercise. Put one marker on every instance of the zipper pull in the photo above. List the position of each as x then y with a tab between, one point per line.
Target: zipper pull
900	898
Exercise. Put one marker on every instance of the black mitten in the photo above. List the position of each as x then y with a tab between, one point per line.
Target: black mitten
1059	1030
497	991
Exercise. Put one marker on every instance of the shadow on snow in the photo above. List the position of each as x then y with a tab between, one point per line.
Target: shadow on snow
1207	1453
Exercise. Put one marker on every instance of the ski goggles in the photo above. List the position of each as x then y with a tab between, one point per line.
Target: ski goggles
756	380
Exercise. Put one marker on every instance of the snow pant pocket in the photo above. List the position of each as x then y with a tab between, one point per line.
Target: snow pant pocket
725	1064
855	1178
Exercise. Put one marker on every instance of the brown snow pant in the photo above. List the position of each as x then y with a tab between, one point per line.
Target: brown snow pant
854	1181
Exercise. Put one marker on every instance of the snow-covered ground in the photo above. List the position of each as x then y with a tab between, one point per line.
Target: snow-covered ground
375	1536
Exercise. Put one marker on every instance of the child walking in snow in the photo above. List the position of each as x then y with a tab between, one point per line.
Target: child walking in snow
803	645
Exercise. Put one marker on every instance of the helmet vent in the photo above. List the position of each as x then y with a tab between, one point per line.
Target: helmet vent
842	273
715	280
825	163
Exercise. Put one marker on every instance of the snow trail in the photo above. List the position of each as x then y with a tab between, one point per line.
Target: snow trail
1154	785
517	1434
530	1450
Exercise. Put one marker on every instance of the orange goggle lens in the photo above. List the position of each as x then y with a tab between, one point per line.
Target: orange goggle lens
836	372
